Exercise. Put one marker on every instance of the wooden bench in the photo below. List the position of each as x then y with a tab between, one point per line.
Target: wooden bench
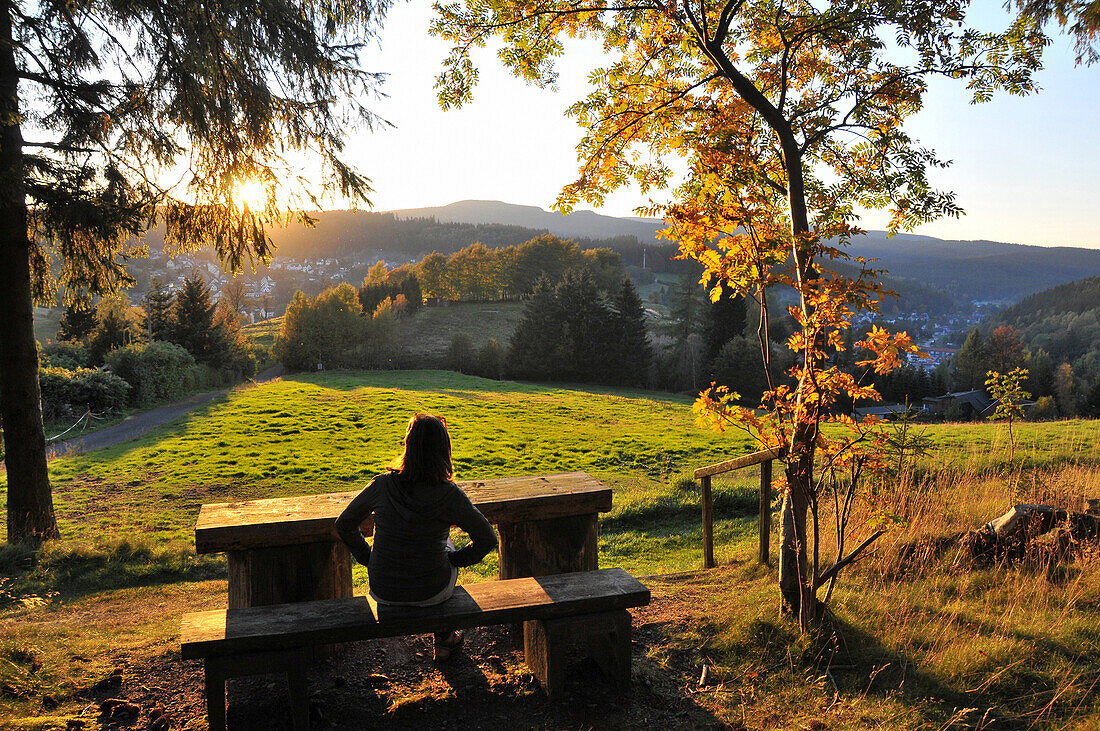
561	612
286	549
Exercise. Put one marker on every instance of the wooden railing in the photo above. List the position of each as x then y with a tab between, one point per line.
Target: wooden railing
703	474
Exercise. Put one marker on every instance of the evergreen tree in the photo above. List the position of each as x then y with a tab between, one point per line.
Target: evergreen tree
158	311
111	332
968	369
410	287
631	340
722	321
536	344
114	94
78	321
686	308
193	320
587	338
740	367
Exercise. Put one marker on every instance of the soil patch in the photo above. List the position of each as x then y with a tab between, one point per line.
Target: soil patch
395	684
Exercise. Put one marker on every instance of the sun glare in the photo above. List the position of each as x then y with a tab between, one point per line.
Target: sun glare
251	195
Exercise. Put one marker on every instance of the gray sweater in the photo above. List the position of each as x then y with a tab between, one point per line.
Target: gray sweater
410	561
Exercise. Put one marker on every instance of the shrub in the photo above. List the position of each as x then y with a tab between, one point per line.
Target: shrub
67	393
1044	410
66	354
156	371
490	360
460	353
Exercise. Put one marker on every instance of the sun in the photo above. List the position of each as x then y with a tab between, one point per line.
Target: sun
251	195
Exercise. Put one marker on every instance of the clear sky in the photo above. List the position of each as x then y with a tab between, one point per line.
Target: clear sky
1025	169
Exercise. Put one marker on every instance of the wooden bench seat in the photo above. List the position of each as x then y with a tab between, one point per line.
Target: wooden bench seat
558	611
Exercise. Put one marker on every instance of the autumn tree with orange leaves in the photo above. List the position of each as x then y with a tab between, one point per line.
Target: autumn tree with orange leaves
771	122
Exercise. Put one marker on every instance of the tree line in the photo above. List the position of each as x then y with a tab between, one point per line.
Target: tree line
479	274
109	354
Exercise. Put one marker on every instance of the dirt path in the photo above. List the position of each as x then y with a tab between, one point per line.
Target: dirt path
138	424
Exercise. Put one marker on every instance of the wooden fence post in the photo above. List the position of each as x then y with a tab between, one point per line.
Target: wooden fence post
708	525
765	510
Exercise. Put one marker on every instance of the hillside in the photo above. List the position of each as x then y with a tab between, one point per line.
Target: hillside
962	270
949	272
579	224
1062	320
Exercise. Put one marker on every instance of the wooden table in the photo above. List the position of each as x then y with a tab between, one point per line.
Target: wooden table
286	549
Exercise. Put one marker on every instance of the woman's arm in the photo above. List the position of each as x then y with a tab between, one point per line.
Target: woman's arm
347	525
483	538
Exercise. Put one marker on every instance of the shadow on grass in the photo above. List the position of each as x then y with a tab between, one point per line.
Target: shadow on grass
72	570
1014	697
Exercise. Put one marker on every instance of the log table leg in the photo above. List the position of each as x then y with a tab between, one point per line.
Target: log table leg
283	574
551	546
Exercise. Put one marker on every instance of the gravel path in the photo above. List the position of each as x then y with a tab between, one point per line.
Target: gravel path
138	424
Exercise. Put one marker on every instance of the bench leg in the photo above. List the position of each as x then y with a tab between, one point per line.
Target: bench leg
605	637
291	662
544	650
299	698
215	694
611	648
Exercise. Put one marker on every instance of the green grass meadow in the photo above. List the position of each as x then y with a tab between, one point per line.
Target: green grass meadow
916	646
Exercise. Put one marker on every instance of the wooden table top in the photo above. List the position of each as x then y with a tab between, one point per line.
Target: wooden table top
288	521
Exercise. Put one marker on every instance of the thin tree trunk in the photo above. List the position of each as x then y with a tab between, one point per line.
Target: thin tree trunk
795	580
30	503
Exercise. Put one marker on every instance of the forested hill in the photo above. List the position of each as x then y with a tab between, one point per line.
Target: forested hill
366	235
1075	297
964	271
977	270
1063	320
579	224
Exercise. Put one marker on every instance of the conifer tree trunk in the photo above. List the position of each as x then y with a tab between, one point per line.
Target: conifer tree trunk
30	503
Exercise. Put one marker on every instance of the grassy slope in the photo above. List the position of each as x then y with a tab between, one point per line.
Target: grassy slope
264	332
424	337
125	570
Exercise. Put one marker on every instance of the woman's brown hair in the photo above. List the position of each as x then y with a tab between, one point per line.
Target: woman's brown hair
427	457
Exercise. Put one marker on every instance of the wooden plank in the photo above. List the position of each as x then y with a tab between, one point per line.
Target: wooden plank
765	511
310	518
708	524
735	464
287	626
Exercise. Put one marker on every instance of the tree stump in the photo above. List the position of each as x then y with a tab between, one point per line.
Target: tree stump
1027	529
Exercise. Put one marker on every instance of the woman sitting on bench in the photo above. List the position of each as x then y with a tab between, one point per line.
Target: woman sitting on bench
414	504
